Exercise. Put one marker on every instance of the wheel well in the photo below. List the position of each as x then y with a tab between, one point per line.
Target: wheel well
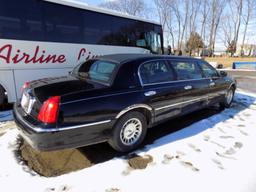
233	86
142	108
146	113
4	90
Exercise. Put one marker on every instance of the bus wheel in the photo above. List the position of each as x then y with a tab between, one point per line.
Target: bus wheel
2	95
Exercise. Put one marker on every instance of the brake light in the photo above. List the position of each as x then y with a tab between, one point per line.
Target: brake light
49	111
25	86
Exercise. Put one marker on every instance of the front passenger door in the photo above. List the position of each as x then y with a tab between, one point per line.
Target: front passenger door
217	87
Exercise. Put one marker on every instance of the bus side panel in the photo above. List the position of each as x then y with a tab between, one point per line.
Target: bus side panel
8	83
22	76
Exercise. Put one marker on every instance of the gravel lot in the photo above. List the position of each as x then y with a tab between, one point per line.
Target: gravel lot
247	84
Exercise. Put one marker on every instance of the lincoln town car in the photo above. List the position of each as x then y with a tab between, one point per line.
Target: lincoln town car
116	98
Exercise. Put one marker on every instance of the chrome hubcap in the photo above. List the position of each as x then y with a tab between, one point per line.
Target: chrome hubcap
229	96
131	131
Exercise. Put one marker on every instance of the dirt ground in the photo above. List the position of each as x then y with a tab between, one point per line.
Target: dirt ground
137	162
228	61
50	164
55	163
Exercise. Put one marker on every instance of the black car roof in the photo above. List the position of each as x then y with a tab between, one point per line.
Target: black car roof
123	58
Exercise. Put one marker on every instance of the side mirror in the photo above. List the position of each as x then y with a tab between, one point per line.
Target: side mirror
223	73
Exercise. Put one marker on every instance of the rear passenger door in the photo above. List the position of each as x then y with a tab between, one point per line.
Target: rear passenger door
160	89
194	85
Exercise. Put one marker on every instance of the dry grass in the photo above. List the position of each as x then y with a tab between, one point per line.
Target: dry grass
228	61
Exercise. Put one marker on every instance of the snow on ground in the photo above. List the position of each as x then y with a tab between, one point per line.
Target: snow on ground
214	154
6	121
6	116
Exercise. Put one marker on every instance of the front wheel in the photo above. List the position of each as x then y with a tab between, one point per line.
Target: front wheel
129	132
229	96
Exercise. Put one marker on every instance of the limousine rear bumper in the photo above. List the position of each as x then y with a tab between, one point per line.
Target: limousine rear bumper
49	139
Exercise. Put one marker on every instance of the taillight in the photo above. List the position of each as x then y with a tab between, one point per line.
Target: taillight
49	111
25	86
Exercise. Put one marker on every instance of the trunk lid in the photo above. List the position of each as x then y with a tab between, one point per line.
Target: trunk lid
42	89
59	86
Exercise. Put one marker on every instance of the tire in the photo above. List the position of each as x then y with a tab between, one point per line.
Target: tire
2	95
129	132
229	96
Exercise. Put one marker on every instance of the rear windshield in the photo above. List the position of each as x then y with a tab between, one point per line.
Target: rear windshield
96	70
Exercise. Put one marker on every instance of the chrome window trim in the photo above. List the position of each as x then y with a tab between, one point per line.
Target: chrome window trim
180	103
165	82
175	81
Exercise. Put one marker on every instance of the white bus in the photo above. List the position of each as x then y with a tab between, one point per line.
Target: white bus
43	38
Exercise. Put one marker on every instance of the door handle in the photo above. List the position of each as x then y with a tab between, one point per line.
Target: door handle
188	87
150	93
212	84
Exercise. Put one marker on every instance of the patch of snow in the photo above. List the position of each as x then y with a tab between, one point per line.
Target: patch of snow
214	154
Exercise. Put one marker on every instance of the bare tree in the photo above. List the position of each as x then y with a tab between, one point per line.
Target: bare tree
229	32
178	17
205	8
181	13
185	21
236	7
216	10
249	7
194	6
164	13
131	7
227	29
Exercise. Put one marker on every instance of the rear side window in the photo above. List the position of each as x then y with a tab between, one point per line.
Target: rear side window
186	70
96	70
155	72
208	70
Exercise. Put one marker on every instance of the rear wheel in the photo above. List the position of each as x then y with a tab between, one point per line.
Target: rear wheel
229	96
2	95
129	132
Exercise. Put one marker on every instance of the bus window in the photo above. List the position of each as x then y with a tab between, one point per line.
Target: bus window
62	23
153	41
21	20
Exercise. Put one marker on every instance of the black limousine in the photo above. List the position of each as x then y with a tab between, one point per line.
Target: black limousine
115	98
